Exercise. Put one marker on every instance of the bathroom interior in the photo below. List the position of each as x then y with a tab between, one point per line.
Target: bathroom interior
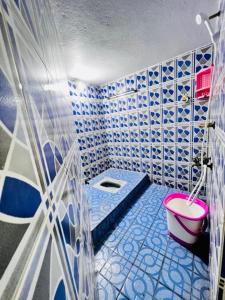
112	149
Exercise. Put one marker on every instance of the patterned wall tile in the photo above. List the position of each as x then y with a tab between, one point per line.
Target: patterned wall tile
155	96
131	83
122	104
184	65
157	152
183	134
133	119
168	93
120	86
169	115
143	101
112	89
143	117
156	135
169	134
169	153
132	101
203	58
184	90
200	111
168	71
184	113
154	75
155	116
141	78
145	151
169	170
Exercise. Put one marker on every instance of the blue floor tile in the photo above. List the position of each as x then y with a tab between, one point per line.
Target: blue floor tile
163	293
149	261
144	219
128	248
116	270
160	226
151	209
162	214
106	290
114	238
101	257
137	206
177	278
139	285
156	241
179	254
125	224
137	232
200	288
200	268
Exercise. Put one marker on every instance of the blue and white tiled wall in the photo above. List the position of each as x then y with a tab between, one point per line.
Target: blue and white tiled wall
45	236
90	127
142	123
216	178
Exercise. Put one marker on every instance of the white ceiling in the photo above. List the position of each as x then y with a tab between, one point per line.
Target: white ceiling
105	39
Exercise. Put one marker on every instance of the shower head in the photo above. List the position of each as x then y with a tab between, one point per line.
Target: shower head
201	18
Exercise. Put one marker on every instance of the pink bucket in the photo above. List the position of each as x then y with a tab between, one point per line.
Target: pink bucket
185	223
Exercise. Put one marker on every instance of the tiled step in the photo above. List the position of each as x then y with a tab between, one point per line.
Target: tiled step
106	207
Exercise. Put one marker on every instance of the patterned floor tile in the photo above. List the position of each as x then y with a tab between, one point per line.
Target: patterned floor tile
180	254
137	232
128	248
160	226
162	213
149	261
177	278
132	213
200	268
137	205
156	241
101	257
139	285
116	270
114	238
144	219
163	293
152	209
200	288
106	290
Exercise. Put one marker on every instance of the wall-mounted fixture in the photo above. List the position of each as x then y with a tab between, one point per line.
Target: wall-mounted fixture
203	83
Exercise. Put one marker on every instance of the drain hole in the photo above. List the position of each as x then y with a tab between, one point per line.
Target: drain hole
110	184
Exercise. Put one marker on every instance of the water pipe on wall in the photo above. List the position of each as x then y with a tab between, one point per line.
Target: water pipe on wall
214	36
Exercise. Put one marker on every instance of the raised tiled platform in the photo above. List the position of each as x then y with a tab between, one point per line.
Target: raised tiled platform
107	208
138	260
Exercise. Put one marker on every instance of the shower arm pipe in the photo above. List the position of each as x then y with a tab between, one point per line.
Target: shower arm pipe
200	185
215	15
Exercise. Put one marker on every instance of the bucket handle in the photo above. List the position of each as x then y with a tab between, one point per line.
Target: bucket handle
188	230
